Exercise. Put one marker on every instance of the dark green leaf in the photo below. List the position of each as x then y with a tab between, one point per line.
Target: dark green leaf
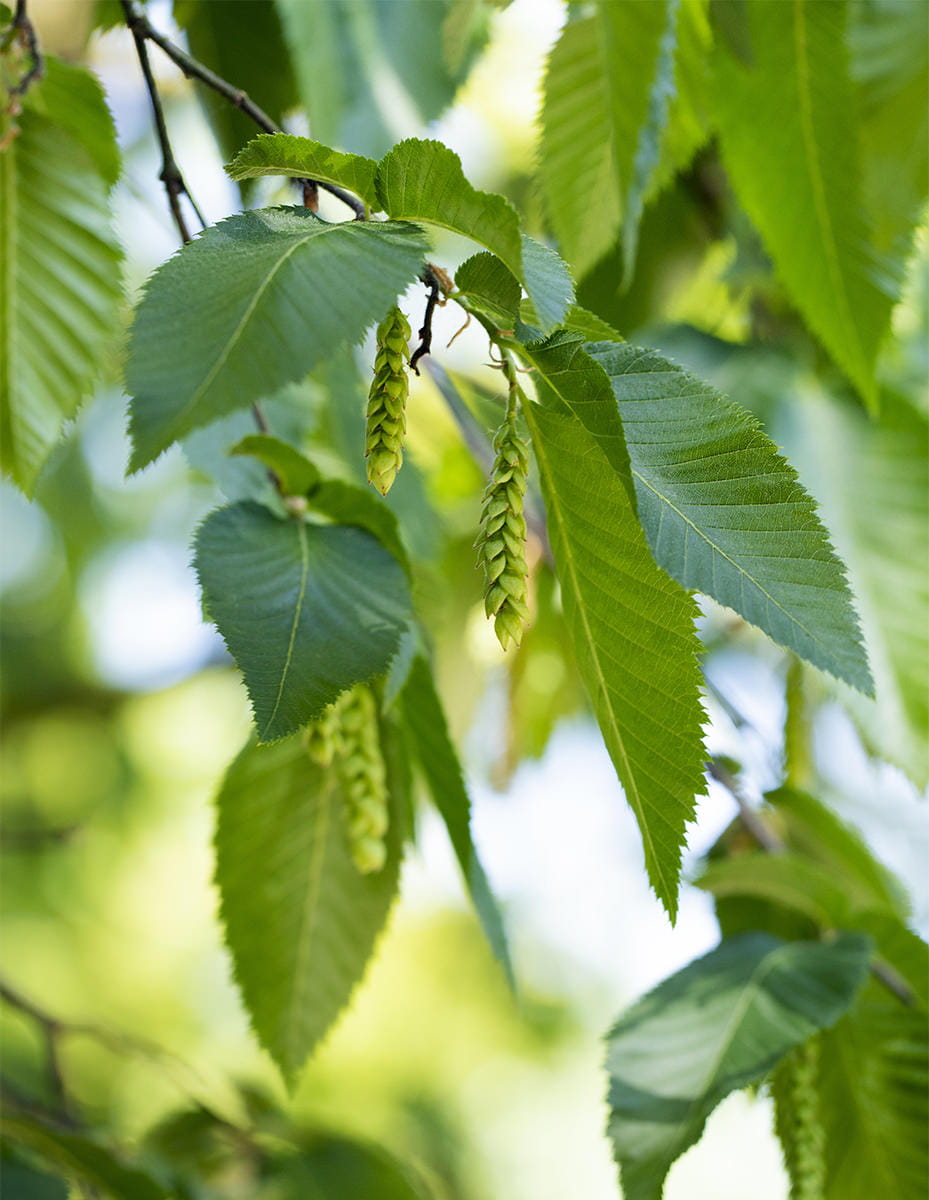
491	288
787	126
306	610
294	471
633	635
335	1168
719	1024
60	285
725	514
424	719
300	919
251	304
300	157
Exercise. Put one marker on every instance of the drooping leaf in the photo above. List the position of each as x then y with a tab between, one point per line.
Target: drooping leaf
300	157
874	1101
725	514
719	1024
789	142
632	629
490	287
244	43
80	1159
251	304
294	470
873	485
424	719
60	284
306	610
299	918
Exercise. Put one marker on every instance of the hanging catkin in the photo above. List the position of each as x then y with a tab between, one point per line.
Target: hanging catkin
322	736
386	413
363	776
501	544
800	1121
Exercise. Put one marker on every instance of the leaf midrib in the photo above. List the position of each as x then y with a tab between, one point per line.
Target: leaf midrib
298	610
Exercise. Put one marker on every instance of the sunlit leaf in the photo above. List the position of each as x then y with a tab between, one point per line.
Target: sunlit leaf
300	157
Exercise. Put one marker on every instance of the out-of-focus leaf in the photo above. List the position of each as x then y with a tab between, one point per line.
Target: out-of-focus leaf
424	719
294	470
306	610
60	281
335	1168
719	1024
725	514
300	919
300	157
254	303
632	629
789	141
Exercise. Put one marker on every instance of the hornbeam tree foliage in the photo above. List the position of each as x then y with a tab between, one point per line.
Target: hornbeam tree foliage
638	512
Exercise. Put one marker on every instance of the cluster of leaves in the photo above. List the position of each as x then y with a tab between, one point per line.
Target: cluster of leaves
655	487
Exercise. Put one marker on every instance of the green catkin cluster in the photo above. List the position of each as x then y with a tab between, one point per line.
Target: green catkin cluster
803	1126
322	737
501	544
386	413
360	765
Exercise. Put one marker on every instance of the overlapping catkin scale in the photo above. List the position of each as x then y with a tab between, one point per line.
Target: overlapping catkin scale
386	413
364	779
501	544
807	1138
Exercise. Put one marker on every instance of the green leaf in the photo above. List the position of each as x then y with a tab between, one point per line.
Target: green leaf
491	288
785	879
294	470
300	920
336	1168
725	514
424	720
80	1159
577	320
632	629
719	1024
789	142
302	158
613	126
306	610
875	479
242	42
60	284
251	304
874	1101
347	504
423	181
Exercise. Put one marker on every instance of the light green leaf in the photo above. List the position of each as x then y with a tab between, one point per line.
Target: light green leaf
251	304
491	288
80	1159
306	610
548	282
632	629
874	1101
577	320
242	42
347	504
719	1024
789	142
60	284
725	514
302	158
300	919
874	488
337	1168
294	470
424	719
785	879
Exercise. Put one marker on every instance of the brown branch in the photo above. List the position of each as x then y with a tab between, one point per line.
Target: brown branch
194	69
23	29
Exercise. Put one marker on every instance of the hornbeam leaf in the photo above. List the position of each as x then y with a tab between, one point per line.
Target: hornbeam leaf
300	157
719	1024
60	284
790	144
306	610
633	635
80	1159
425	722
725	514
251	304
294	471
874	1101
300	919
423	181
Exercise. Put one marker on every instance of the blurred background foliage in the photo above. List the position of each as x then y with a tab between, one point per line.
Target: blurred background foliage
121	710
